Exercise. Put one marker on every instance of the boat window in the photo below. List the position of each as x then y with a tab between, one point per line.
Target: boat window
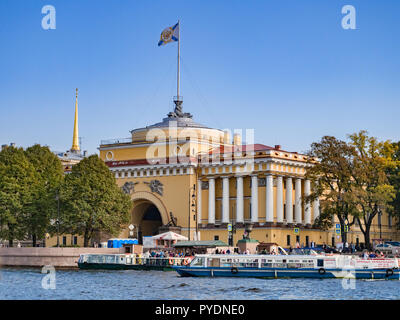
213	262
266	264
303	264
279	264
248	263
198	262
320	262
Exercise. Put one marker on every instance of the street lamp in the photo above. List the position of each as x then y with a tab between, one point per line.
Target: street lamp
58	218
380	222
192	207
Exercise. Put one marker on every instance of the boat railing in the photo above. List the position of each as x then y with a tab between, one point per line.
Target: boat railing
162	262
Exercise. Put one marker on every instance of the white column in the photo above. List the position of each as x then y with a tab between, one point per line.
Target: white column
239	199
316	208
297	208
279	199
211	201
307	209
289	200
198	201
254	199
269	199
225	199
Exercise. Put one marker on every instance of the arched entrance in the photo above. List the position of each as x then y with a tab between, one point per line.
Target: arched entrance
148	214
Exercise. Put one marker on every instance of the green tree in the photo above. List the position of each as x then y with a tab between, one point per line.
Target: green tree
17	193
50	175
394	179
92	201
331	170
371	190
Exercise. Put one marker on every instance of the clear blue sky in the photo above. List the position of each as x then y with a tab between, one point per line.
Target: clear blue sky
285	68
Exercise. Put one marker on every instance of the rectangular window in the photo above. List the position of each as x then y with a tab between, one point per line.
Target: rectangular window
307	241
333	241
390	220
298	239
288	240
284	211
64	240
75	240
216	237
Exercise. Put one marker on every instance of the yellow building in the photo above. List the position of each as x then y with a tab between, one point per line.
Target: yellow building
204	181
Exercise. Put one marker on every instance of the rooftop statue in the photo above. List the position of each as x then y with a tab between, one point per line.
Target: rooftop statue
178	113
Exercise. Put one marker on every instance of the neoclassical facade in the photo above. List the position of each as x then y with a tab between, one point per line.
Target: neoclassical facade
182	174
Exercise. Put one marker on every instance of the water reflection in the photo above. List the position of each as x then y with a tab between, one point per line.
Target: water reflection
131	284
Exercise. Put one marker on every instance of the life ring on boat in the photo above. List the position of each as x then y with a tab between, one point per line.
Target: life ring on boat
234	270
389	272
186	261
321	271
171	261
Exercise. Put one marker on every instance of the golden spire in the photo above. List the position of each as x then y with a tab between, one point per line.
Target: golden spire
75	139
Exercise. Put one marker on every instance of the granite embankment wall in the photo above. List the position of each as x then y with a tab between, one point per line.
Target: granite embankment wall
56	257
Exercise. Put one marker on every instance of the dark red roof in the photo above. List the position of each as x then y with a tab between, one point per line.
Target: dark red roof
138	162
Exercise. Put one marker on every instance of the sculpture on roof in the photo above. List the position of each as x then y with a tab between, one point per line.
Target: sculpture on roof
178	112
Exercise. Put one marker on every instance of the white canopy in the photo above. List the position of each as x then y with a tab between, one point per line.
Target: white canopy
169	236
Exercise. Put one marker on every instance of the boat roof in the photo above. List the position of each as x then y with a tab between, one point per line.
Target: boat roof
291	256
203	243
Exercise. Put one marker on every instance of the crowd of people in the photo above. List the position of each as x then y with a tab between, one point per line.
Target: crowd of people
168	254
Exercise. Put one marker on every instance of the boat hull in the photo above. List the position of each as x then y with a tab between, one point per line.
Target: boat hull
288	273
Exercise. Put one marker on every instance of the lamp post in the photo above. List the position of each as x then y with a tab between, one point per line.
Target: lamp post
192	207
380	222
58	218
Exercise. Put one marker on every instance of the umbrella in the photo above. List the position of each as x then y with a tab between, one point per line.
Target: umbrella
169	236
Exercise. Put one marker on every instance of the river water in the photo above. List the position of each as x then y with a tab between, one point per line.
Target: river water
131	284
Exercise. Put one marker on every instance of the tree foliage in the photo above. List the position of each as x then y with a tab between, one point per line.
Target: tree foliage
92	201
394	179
372	192
351	181
17	193
331	169
31	180
49	178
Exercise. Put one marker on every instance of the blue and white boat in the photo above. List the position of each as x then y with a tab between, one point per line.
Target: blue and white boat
290	266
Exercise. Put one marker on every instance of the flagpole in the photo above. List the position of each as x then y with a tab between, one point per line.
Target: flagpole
179	45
